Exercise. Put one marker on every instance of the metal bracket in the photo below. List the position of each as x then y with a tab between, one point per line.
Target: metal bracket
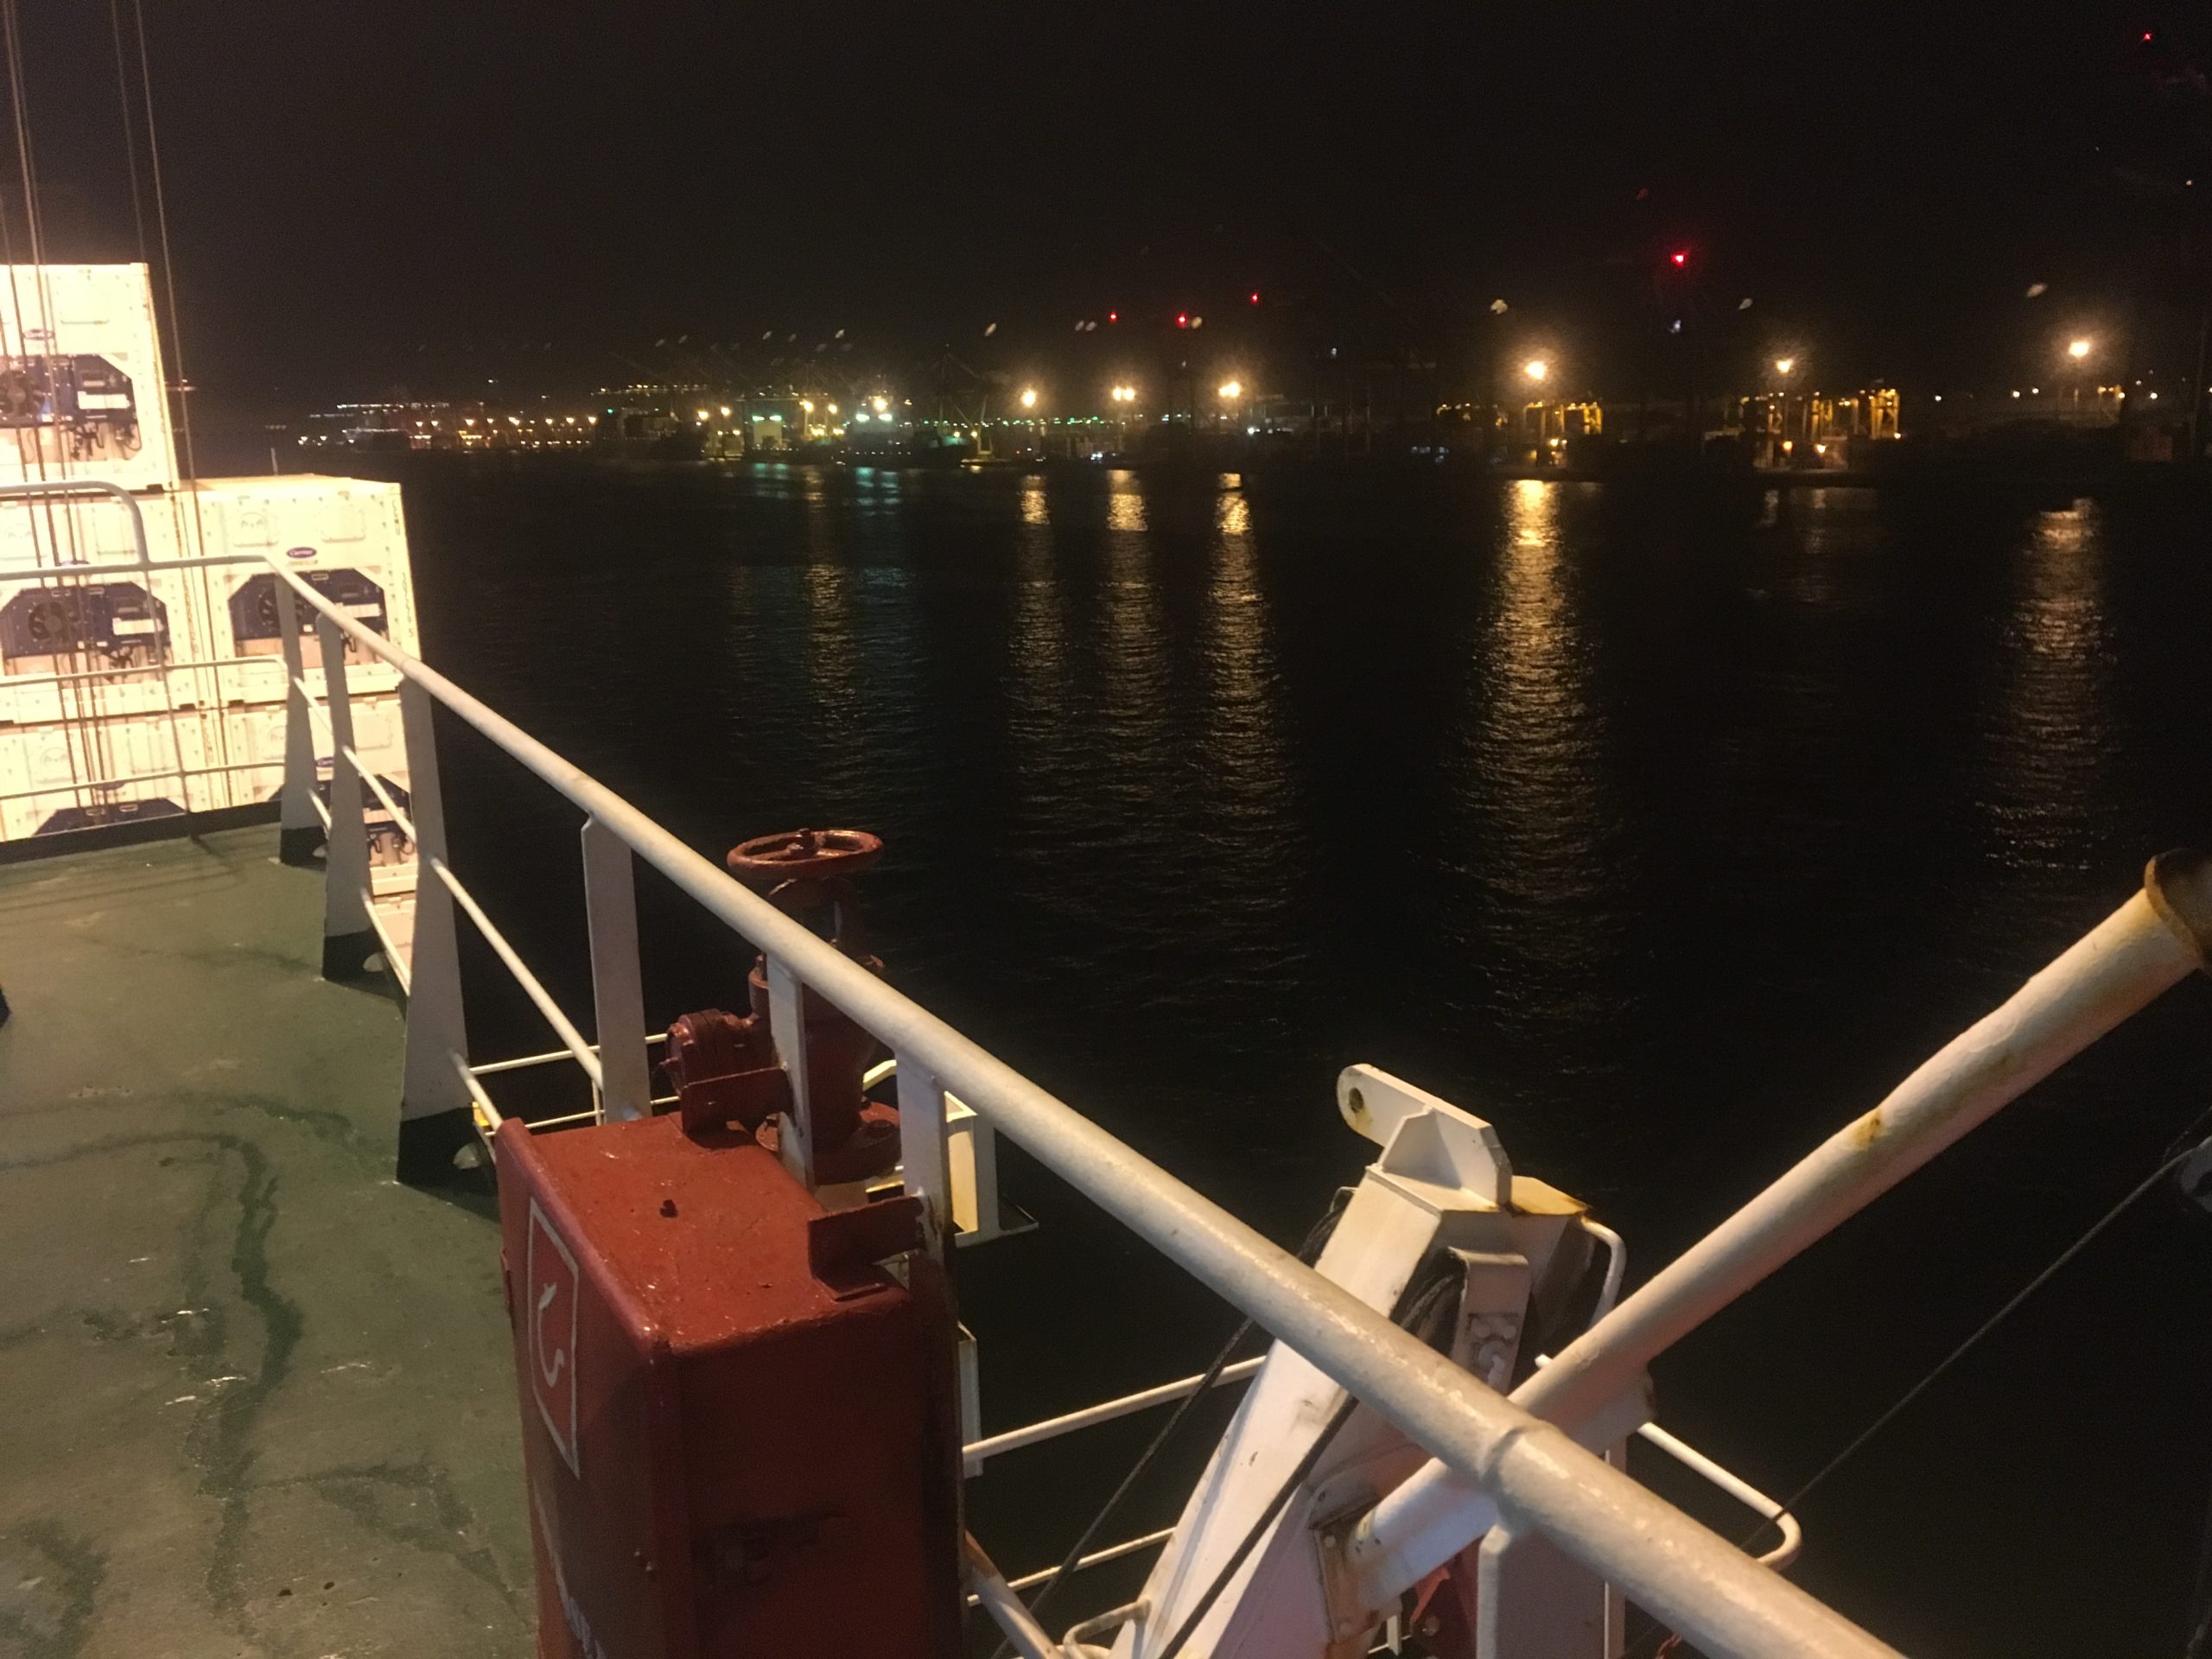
1432	1150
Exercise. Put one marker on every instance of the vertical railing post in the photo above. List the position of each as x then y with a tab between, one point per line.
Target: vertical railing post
349	941
300	831
1492	1616
983	1155
435	1115
787	1026
1532	1598
617	989
924	1156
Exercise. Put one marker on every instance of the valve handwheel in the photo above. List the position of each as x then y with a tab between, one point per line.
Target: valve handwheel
804	855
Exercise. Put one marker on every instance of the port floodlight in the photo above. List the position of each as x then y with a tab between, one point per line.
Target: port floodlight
1232	390
1783	365
1535	368
878	405
1029	396
2077	349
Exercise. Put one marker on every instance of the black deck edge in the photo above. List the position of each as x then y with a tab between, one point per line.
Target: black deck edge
299	847
429	1144
346	956
175	827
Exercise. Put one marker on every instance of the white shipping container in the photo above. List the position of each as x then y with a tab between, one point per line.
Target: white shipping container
347	537
235	757
99	619
82	392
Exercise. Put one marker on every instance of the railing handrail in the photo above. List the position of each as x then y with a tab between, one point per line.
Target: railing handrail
1542	1481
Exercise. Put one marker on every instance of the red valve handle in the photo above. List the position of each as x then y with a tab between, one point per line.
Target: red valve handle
800	855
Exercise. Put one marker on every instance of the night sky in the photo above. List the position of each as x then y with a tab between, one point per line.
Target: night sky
435	195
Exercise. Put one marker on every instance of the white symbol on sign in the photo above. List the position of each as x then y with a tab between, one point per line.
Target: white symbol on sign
552	1372
553	1280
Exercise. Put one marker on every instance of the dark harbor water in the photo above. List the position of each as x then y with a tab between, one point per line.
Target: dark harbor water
1667	829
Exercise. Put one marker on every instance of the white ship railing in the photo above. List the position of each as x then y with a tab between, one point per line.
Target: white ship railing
1508	1467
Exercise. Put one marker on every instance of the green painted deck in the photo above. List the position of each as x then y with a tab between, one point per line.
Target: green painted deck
256	1398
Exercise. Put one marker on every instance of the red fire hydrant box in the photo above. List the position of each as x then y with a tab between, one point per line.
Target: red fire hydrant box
737	1431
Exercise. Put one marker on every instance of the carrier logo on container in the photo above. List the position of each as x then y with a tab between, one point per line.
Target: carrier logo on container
551	1310
299	552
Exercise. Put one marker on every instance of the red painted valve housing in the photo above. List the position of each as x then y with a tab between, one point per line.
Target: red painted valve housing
740	1433
740	1427
725	1067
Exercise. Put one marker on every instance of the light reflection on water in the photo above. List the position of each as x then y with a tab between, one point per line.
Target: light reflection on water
2048	713
1532	786
1125	501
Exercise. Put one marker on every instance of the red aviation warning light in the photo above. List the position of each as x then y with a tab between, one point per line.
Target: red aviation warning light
1680	256
1113	316
1182	318
1255	296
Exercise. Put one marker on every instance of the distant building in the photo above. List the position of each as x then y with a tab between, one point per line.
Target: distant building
1817	430
411	425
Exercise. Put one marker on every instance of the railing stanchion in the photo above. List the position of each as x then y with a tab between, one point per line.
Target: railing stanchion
1492	1614
922	1154
983	1166
787	1026
926	1166
299	832
435	1120
349	941
617	989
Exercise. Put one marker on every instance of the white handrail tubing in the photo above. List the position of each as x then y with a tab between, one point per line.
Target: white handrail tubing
551	1056
141	778
116	567
1105	1412
394	958
586	1056
205	665
1005	1607
384	795
1767	1509
476	1090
